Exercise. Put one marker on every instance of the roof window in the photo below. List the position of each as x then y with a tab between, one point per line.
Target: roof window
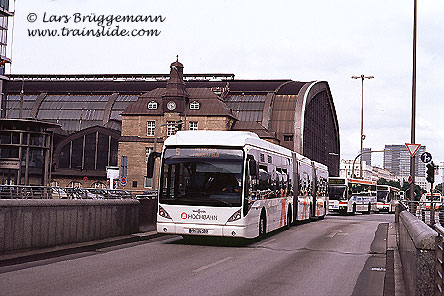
194	105
152	105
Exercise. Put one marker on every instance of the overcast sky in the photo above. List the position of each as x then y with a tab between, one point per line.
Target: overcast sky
281	39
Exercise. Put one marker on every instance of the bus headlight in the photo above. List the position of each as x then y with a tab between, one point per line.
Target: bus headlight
235	216
164	213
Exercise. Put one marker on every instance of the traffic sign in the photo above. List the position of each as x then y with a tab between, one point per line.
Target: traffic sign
412	148
123	181
410	179
426	157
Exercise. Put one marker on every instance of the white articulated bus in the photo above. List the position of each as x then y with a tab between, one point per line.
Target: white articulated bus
351	195
234	184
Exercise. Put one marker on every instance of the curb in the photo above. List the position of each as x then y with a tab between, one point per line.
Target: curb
393	282
57	251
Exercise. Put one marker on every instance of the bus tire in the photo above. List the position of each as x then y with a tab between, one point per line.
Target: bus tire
289	219
369	207
354	209
262	225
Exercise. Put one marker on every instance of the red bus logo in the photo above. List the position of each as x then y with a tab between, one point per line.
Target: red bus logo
183	215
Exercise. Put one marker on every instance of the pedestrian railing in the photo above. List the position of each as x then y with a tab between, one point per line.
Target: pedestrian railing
439	284
430	212
47	192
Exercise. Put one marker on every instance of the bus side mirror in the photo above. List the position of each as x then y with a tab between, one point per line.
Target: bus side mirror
150	164
252	167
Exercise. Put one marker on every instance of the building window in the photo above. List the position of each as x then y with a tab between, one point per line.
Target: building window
171	128
193	125
195	105
148	182
134	184
74	184
92	151
150	127
152	105
148	151
288	138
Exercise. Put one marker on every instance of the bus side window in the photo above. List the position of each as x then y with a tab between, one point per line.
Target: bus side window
263	178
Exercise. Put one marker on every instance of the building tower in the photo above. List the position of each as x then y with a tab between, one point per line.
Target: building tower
397	160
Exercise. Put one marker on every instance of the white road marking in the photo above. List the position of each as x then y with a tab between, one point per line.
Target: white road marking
212	264
338	232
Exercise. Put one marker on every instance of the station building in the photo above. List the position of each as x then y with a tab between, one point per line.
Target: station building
116	120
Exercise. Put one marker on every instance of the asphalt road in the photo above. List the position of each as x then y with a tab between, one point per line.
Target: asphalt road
340	255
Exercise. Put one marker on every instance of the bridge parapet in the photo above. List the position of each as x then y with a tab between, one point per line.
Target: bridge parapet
30	224
416	244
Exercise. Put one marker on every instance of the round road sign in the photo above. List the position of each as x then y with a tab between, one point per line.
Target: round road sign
426	157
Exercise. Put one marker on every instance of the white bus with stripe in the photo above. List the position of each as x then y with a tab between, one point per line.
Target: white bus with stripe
234	184
351	195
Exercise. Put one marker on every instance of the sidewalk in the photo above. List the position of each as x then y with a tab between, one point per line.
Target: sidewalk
44	253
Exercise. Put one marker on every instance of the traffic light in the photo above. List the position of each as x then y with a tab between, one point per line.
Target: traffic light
430	173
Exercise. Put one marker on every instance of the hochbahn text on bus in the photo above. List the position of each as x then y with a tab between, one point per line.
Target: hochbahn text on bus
234	184
349	196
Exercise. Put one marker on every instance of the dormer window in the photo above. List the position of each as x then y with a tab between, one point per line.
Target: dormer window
152	105
194	105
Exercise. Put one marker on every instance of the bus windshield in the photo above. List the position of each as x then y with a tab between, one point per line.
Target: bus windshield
337	192
202	176
382	196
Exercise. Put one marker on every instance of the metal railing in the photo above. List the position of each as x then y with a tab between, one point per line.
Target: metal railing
430	212
439	284
47	192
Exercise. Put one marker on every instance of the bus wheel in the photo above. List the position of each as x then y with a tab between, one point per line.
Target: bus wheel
289	218
262	225
369	208
354	209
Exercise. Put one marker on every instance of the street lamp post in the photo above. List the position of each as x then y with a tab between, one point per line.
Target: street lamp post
362	77
353	165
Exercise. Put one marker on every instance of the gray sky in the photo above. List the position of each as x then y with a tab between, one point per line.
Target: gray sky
299	40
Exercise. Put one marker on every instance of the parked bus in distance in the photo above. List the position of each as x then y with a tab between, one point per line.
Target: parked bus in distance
348	196
234	184
387	198
426	200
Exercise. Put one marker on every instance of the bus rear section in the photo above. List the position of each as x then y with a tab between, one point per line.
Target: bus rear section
363	195
230	184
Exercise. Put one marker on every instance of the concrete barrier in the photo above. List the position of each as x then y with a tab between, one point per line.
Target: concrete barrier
30	224
147	214
416	244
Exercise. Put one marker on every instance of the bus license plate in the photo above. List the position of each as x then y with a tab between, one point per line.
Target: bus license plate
198	231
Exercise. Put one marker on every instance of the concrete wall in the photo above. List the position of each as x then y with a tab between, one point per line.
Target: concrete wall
28	224
416	244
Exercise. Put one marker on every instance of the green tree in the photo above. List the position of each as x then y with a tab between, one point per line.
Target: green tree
383	181
418	191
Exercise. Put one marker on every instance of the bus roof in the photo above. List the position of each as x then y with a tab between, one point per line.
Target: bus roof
362	181
222	138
